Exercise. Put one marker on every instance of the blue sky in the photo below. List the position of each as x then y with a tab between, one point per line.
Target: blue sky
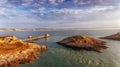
59	13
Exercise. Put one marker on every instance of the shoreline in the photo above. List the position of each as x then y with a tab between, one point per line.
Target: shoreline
52	29
21	57
14	51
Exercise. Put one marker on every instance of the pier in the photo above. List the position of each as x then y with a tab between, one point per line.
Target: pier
31	38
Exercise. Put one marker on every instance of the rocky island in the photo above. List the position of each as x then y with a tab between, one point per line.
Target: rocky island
112	37
14	51
83	42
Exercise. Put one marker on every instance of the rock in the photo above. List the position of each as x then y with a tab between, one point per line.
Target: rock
43	47
83	42
112	37
47	35
14	51
30	37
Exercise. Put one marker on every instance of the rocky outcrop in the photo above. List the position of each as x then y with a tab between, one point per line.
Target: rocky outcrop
14	51
83	42
112	37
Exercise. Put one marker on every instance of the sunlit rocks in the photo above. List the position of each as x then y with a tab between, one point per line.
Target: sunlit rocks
14	51
83	42
113	37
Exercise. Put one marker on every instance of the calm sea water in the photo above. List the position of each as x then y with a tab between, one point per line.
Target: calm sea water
59	56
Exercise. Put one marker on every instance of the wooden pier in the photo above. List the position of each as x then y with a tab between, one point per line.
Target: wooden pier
31	38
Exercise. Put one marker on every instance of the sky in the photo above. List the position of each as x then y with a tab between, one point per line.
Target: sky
59	13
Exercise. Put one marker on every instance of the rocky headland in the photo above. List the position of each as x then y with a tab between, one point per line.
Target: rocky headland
14	51
112	37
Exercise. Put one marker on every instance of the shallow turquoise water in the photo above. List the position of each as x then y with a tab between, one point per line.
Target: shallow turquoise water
59	56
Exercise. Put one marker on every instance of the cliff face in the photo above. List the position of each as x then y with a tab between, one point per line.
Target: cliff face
112	37
14	51
83	42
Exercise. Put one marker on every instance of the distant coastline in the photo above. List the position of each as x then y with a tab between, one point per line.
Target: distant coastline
23	29
52	29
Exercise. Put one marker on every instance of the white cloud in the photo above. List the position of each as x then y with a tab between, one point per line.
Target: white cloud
100	8
53	2
2	12
105	16
36	5
27	2
83	11
3	1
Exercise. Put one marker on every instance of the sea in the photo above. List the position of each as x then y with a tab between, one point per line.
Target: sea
60	56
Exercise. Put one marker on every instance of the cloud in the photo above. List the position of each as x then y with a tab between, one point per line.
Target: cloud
107	16
53	2
2	12
62	3
59	13
27	2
